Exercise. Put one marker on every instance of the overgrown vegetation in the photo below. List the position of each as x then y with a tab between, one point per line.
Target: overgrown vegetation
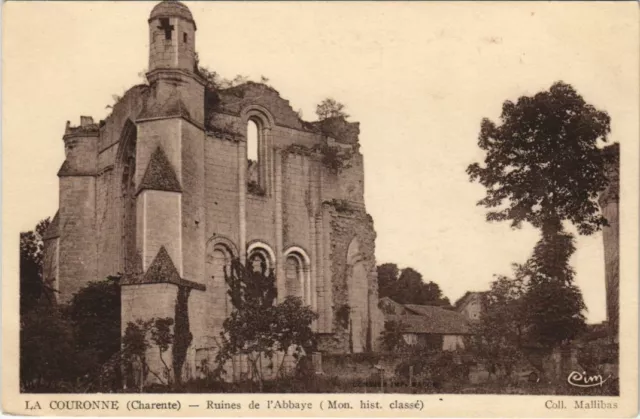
216	82
544	166
34	288
253	187
331	108
407	286
335	158
391	338
137	341
258	327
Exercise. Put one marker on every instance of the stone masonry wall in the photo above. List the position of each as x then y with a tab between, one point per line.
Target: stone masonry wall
193	201
167	134
260	219
161	225
221	198
609	204
296	202
77	234
611	237
108	201
347	224
127	108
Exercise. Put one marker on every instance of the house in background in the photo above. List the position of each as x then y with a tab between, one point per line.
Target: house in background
471	305
428	326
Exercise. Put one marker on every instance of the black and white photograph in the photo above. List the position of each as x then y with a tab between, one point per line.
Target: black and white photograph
419	199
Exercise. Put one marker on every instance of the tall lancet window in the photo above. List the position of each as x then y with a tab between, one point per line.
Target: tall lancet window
130	262
254	170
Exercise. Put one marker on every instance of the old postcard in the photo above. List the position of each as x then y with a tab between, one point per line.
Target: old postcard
356	209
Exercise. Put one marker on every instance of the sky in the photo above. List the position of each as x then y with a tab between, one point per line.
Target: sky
419	77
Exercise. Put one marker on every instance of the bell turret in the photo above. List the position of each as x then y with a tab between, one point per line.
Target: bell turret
171	37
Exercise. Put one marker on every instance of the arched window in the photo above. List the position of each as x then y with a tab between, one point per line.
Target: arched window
218	258
294	277
254	169
260	257
298	274
258	123
130	261
252	141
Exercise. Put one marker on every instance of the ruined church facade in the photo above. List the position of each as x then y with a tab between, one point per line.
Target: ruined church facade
163	193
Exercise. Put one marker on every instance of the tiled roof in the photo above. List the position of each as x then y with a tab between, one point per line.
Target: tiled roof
432	320
162	271
467	296
160	175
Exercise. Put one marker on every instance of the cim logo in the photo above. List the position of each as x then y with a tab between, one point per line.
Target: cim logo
584	380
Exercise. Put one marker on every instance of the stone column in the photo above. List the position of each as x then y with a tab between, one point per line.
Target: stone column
609	203
263	159
281	285
242	191
319	287
326	260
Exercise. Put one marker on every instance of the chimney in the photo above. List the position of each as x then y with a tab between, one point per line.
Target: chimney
85	121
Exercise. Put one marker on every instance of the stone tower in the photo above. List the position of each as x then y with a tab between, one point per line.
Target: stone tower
172	40
609	203
163	192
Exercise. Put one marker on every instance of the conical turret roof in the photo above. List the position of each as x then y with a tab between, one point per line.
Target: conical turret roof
171	8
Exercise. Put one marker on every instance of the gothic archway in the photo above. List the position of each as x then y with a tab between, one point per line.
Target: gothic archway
130	262
220	253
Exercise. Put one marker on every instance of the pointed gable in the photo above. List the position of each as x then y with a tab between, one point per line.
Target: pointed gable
162	271
160	175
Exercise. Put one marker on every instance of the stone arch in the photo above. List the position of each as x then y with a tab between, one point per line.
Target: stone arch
219	255
130	261
258	118
212	307
298	274
224	241
260	255
358	296
259	114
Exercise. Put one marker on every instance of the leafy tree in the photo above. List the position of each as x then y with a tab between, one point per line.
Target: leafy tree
47	350
388	274
162	337
543	166
258	327
408	286
95	314
499	336
136	342
33	286
330	108
555	313
134	352
391	337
